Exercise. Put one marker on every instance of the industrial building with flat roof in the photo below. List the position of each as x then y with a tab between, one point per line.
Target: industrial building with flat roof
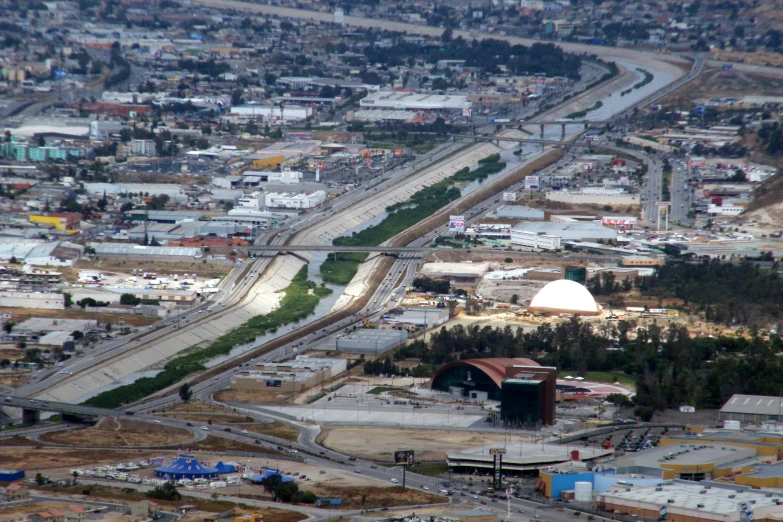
689	502
688	461
371	341
414	102
297	375
567	231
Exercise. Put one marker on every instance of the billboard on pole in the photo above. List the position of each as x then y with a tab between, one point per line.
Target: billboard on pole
510	196
457	224
403	457
532	182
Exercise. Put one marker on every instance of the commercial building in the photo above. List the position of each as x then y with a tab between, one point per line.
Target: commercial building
631	261
526	391
297	375
163	216
688	502
519	212
687	461
414	102
294	200
564	297
521	457
535	240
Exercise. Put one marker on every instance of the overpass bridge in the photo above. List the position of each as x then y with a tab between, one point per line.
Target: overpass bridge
31	409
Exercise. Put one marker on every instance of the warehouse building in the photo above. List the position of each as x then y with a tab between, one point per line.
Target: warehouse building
414	102
752	408
274	112
682	501
371	341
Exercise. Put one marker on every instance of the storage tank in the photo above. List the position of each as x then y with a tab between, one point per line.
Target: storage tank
583	491
731	425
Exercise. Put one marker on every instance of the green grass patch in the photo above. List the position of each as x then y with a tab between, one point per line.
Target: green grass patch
383	389
296	304
340	267
404	215
609	377
581	114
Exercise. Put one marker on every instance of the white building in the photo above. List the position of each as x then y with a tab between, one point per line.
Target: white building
272	112
285	177
538	240
294	200
143	148
724	210
414	102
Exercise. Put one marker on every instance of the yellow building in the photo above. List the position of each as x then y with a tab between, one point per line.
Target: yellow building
65	221
272	162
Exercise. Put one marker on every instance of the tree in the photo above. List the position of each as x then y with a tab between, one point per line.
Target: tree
8	326
167	491
77	334
130	299
39	479
185	393
514	299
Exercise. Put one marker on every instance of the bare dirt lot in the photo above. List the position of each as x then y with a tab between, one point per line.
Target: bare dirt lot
14	378
379	444
111	431
375	497
32	459
22	314
196	266
711	84
252	396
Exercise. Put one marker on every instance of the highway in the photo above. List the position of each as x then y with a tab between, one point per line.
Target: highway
682	194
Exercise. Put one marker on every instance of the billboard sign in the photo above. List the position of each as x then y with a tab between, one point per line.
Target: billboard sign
663	203
467	113
403	457
532	182
497	451
510	196
457	224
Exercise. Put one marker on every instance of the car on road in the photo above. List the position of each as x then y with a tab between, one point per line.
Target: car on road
395	481
190	424
243	432
357	470
424	487
205	428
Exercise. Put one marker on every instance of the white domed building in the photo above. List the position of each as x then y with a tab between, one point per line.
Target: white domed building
565	297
